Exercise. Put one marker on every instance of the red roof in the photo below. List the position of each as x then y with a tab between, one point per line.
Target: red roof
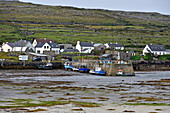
44	40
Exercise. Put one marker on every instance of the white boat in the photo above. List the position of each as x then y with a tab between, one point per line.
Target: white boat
75	69
92	71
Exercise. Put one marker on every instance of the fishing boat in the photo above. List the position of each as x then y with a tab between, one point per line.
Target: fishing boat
92	71
121	73
83	69
68	66
46	66
75	69
99	71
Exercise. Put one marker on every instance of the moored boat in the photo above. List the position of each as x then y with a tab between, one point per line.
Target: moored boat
121	73
84	69
99	71
92	71
68	66
46	66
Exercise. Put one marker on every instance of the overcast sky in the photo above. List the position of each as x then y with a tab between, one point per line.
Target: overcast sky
161	6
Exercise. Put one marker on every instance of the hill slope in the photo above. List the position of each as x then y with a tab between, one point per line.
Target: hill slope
69	24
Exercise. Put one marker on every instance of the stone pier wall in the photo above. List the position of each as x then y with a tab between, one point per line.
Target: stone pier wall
110	69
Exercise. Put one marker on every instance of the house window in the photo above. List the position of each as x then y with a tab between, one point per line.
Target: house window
8	50
47	47
44	47
38	51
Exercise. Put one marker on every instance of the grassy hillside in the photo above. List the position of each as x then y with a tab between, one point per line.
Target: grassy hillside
68	24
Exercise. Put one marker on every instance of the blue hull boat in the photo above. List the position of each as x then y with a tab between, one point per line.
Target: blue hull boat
100	72
68	66
84	70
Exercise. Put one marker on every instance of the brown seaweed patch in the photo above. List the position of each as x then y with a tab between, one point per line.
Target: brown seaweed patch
111	109
37	110
103	99
80	109
145	99
62	99
68	94
128	111
162	80
158	110
88	98
85	104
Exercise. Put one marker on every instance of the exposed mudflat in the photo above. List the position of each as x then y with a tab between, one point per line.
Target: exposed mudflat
25	90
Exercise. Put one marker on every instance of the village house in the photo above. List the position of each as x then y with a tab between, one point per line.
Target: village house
18	46
41	41
155	49
23	46
84	47
7	47
114	46
65	46
41	47
100	47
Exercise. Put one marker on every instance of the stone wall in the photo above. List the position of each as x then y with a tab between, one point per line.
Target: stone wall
27	65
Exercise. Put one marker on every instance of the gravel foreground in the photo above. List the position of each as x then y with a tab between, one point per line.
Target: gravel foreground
69	108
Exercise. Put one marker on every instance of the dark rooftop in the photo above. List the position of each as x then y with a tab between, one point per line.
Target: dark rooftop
86	44
71	50
157	47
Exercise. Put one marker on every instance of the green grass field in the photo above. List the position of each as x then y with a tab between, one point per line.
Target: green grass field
69	24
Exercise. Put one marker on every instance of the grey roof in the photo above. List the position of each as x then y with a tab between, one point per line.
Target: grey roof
11	44
53	45
39	45
115	45
157	47
71	50
21	43
86	44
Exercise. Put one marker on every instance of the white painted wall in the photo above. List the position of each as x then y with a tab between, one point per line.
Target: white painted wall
87	51
34	43
78	47
145	50
57	50
46	47
6	48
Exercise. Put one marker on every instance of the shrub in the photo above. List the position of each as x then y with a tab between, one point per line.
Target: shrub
164	57
148	56
135	57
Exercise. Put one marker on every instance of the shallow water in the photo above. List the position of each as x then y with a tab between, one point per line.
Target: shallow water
75	86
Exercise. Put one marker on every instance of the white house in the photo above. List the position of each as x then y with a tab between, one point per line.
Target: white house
7	47
41	47
84	47
155	49
115	46
23	45
42	41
